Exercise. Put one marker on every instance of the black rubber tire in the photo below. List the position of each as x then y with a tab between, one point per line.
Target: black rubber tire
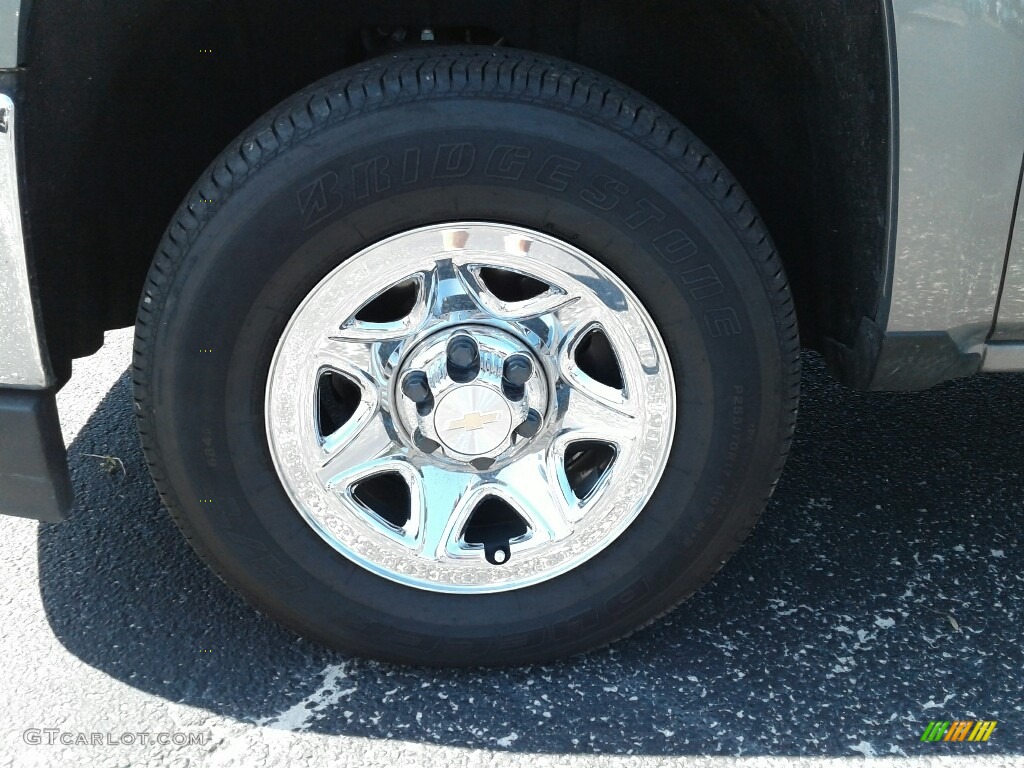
467	134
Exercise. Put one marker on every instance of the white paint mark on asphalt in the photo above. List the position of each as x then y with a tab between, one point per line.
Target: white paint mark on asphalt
930	704
300	716
865	748
506	741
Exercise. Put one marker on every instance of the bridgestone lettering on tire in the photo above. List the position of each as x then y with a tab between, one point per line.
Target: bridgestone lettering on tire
466	356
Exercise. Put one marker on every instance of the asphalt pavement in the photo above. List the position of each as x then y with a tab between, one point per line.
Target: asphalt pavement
882	589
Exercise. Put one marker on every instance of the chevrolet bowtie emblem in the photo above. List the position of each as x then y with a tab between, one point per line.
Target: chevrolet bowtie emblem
472	421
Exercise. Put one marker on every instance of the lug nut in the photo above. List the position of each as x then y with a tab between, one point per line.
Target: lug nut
463	358
462	351
515	374
415	387
518	370
424	443
531	426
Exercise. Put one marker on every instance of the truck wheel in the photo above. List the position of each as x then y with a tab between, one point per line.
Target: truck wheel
466	356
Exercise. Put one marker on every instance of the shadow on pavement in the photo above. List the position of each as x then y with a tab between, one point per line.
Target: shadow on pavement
884	588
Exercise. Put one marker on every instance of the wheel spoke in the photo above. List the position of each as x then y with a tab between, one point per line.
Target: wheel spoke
359	441
589	411
356	358
531	485
557	329
450	295
575	326
445	503
552	300
355	329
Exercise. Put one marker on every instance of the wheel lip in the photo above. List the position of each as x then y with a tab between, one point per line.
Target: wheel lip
610	535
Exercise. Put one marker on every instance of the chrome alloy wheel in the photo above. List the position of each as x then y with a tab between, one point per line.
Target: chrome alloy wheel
470	407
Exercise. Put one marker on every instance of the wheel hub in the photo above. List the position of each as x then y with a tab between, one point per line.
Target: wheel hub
471	395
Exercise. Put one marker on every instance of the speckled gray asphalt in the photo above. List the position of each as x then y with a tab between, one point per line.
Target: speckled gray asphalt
882	589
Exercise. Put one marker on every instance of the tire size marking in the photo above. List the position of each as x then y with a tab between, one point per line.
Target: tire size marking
209	452
737	421
737	418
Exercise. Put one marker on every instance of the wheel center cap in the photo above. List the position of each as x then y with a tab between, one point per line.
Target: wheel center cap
473	420
471	395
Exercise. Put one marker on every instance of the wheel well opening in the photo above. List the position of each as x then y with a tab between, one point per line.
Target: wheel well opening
127	105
